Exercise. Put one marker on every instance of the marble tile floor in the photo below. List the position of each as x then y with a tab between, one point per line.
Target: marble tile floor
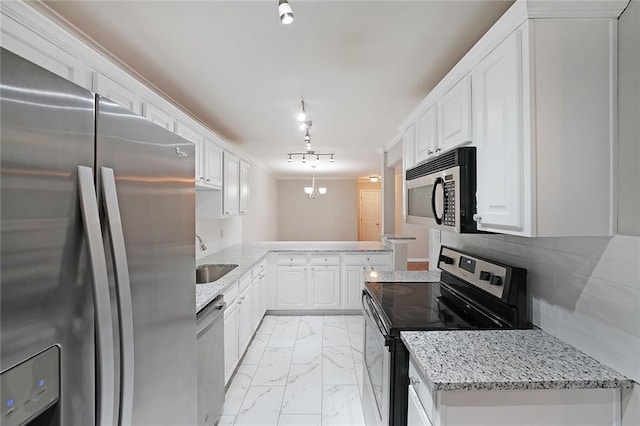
299	371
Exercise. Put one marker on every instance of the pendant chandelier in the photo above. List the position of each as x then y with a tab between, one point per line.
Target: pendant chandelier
312	191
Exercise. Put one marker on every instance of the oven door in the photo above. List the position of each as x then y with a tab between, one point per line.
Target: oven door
377	367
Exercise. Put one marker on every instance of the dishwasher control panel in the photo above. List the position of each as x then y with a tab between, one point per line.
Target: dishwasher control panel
30	387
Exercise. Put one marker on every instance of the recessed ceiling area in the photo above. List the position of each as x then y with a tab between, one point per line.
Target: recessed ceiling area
361	67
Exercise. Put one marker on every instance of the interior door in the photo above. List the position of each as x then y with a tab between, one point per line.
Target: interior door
369	215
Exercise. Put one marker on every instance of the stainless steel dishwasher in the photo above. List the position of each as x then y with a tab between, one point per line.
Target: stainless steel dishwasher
210	342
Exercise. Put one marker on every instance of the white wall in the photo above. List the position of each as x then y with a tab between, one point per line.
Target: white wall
585	291
332	217
418	249
261	224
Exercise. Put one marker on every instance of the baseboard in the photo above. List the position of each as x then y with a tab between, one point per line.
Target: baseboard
285	312
418	259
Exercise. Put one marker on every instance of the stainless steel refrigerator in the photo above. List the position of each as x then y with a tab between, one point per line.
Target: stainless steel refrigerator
98	259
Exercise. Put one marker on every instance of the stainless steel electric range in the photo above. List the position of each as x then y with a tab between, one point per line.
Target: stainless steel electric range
474	293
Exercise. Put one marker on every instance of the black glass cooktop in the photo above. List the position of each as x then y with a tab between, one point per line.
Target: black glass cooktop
424	306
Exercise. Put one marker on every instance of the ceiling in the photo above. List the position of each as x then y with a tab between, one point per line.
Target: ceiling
361	66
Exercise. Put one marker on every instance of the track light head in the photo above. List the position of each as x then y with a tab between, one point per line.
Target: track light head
285	12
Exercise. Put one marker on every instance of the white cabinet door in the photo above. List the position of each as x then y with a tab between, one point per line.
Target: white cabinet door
212	163
256	298
497	82
231	185
117	93
426	135
409	147
352	283
290	287
245	320
159	117
416	415
324	287
231	355
244	187
454	115
264	289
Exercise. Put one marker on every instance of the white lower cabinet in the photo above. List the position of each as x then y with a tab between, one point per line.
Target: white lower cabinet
355	266
291	287
324	287
231	354
245	319
527	407
256	306
324	281
416	415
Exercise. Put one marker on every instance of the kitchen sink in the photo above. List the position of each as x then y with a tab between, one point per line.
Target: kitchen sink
210	273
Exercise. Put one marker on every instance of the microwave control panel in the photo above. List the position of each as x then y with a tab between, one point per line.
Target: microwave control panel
449	218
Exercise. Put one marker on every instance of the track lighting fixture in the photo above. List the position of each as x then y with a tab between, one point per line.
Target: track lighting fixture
285	12
302	115
292	155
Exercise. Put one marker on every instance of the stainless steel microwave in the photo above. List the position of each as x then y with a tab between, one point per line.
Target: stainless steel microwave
441	193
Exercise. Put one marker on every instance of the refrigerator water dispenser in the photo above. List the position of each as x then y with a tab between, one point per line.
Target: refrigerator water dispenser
30	390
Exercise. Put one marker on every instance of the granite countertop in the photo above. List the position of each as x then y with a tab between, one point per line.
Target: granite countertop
505	360
247	255
404	277
397	237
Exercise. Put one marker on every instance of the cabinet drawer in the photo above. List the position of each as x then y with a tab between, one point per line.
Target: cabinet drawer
322	259
367	259
425	394
231	294
292	259
258	269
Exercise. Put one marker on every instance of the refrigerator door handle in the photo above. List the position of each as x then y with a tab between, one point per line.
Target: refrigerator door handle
101	299
123	286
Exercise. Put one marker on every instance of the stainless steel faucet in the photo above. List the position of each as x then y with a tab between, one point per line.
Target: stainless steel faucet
203	247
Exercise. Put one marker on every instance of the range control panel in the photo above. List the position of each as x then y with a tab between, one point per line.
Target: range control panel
488	276
30	387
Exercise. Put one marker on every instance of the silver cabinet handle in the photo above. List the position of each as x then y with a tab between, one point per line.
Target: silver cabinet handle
429	152
414	381
208	179
101	299
438	149
125	308
477	218
201	178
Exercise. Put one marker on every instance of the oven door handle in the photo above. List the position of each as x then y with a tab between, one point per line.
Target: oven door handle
437	182
369	311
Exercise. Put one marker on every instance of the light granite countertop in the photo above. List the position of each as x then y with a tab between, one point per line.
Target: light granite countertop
403	277
505	360
247	255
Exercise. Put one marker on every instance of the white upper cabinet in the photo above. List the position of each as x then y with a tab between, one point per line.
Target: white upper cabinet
212	164
117	93
24	42
497	106
454	116
544	111
426	135
409	147
231	185
245	171
158	116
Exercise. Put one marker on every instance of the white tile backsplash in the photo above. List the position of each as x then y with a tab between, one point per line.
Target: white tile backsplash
585	291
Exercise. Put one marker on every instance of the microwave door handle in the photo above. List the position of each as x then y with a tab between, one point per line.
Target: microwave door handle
105	356
438	181
123	286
